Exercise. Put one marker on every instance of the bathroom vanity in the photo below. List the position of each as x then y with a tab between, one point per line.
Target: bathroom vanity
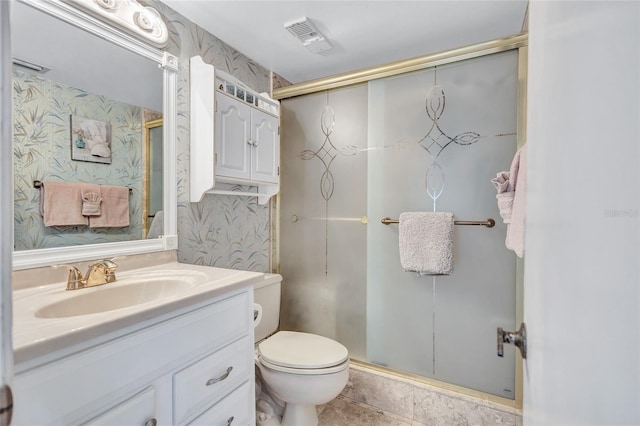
170	344
166	343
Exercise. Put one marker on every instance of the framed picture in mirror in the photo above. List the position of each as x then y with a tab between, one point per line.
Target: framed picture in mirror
90	140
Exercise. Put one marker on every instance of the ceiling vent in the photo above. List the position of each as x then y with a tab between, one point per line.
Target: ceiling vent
308	35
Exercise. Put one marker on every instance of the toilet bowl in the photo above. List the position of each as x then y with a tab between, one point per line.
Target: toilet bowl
300	369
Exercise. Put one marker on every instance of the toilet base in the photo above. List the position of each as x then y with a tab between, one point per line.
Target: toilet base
299	414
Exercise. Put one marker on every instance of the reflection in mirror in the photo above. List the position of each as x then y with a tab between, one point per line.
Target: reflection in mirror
153	187
79	106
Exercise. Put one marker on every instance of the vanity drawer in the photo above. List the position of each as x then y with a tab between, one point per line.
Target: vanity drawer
139	410
210	379
234	410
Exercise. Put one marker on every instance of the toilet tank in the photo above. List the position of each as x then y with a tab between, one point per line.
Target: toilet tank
266	293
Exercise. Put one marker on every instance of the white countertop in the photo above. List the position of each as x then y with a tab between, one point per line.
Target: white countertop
34	336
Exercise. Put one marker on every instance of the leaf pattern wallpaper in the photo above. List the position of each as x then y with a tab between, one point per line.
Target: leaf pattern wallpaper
41	150
221	230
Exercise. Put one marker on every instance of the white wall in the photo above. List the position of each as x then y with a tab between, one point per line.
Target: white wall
582	290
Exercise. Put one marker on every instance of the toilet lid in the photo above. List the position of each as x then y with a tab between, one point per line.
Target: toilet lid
302	350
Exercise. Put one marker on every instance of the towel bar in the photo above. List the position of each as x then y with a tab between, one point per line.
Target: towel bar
363	220
489	223
37	184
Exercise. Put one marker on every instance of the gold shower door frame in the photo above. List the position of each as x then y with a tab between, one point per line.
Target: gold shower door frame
518	41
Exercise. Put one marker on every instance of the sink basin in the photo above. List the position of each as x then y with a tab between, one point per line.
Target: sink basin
114	296
48	318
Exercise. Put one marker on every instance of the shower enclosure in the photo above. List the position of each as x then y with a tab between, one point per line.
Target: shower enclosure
428	140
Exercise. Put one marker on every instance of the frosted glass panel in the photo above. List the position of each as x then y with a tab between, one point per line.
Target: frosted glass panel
443	327
324	197
423	141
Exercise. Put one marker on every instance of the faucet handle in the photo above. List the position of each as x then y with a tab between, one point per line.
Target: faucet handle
110	268
75	280
109	263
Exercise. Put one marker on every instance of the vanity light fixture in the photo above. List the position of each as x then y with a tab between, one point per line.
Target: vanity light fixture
29	66
141	21
307	33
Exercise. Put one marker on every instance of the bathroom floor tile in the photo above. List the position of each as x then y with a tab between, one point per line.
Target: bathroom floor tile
344	412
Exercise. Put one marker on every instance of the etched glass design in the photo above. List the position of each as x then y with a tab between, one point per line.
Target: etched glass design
327	151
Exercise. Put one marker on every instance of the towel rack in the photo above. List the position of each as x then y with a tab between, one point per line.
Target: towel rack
489	223
363	220
37	184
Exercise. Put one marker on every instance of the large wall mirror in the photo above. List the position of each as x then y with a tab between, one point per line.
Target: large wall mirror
84	95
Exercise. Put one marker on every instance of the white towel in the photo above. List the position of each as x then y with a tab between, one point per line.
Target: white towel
157	225
518	178
426	242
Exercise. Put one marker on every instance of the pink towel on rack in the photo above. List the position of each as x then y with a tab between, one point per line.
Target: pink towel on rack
115	208
91	199
518	179
61	204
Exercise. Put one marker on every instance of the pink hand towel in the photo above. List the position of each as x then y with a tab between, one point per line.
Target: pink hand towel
91	200
518	178
114	209
61	204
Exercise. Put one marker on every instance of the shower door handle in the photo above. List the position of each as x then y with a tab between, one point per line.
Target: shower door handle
517	338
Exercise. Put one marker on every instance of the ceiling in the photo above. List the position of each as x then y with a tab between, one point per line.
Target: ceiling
82	60
362	33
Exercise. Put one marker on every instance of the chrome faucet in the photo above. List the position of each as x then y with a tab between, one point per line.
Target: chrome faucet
99	273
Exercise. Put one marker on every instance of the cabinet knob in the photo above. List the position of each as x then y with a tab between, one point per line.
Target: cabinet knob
219	379
151	422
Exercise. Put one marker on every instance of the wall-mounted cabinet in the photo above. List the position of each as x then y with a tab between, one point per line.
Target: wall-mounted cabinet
235	135
247	142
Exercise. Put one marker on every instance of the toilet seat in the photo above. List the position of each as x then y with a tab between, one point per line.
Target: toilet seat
306	371
302	353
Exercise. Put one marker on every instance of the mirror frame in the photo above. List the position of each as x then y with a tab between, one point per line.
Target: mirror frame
169	241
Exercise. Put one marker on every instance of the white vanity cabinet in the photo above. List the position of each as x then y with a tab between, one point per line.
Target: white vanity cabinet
191	366
247	141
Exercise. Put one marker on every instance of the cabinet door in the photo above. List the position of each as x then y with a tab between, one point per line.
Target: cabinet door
138	410
265	157
232	138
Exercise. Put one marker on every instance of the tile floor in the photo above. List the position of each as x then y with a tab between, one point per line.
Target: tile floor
343	411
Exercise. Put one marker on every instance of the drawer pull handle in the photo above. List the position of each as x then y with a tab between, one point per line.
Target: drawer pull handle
230	421
219	379
151	422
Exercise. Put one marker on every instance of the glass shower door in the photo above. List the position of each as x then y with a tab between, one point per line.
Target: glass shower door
436	138
422	141
323	202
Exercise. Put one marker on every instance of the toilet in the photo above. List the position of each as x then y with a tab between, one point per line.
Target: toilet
298	370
